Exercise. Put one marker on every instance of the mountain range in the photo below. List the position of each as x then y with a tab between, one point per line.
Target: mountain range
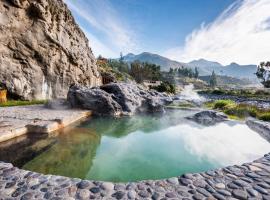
205	67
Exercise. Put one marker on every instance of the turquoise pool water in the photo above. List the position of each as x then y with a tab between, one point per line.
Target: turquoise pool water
144	147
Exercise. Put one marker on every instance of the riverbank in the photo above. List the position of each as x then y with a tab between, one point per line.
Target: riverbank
20	120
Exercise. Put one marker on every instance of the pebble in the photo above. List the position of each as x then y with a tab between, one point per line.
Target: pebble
220	186
83	194
131	194
83	184
170	195
173	181
118	195
107	186
143	194
240	194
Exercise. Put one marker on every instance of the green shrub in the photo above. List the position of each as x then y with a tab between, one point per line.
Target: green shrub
221	104
165	87
242	111
265	117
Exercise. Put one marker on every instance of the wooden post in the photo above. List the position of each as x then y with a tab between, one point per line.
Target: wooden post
3	96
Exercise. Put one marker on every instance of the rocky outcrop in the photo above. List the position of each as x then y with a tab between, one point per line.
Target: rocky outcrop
42	50
261	127
208	117
117	99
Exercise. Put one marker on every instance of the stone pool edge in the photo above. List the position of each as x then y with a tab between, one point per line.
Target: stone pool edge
250	180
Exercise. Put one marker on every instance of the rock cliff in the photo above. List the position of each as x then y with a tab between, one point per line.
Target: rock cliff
42	50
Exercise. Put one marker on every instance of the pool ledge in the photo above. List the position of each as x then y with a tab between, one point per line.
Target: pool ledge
247	181
20	120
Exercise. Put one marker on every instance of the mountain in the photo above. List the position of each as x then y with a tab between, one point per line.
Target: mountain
205	67
164	62
205	63
241	71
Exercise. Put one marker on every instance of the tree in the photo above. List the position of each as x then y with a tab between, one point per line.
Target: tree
121	59
213	79
263	73
196	73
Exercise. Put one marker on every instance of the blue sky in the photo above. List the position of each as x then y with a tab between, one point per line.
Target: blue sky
182	30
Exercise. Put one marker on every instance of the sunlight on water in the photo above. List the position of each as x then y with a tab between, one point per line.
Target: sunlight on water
147	147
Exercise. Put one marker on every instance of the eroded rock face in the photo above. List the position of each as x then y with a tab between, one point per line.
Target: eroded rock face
117	99
208	117
42	50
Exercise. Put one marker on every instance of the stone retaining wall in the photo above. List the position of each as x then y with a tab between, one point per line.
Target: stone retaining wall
248	181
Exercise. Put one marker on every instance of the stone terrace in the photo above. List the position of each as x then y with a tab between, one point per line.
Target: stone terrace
19	120
248	181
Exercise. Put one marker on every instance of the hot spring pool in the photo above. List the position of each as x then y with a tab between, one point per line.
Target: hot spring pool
136	148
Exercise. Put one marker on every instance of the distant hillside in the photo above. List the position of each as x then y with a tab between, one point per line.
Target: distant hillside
164	62
205	67
227	80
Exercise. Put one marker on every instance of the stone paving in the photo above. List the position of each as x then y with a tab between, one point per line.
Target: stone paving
248	181
19	120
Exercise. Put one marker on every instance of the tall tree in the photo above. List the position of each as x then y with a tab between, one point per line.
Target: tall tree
213	79
196	73
263	73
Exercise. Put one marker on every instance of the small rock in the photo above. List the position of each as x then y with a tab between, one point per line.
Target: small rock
83	184
240	194
198	196
260	189
131	194
185	181
107	186
220	186
118	195
170	195
95	190
173	181
83	194
143	194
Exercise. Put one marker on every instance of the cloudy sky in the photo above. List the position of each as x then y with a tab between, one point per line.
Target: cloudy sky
219	30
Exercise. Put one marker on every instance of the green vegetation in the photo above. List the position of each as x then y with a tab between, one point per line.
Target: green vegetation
263	73
138	71
247	93
22	103
118	69
265	117
141	71
165	87
186	105
184	72
221	104
239	111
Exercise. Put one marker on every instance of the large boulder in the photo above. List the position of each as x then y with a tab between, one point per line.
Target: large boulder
208	117
117	99
43	51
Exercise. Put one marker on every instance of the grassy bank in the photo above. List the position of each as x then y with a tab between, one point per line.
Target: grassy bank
22	103
239	111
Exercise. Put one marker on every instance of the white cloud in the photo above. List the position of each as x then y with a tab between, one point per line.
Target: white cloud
109	34
240	34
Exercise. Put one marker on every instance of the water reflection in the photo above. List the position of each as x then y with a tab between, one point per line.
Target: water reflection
139	147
